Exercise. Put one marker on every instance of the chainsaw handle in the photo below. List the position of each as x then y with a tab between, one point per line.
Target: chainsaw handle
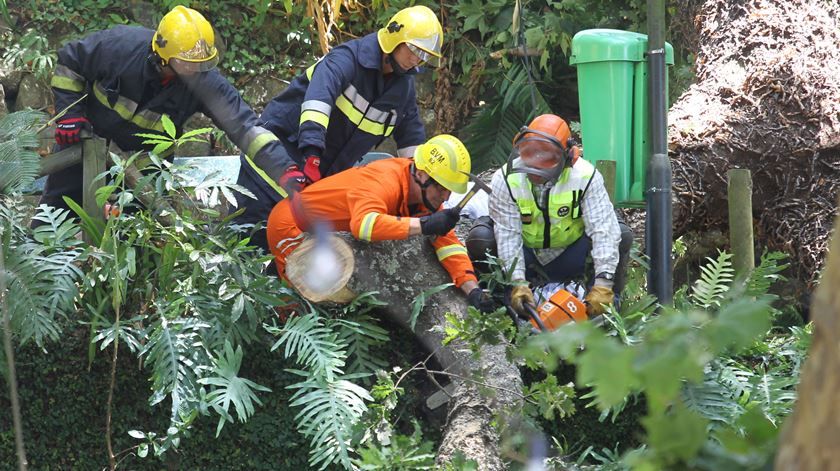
531	310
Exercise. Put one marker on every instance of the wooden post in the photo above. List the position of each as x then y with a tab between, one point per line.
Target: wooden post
93	163
739	191
60	160
607	169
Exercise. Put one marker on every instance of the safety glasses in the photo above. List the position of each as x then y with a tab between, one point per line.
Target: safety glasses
424	56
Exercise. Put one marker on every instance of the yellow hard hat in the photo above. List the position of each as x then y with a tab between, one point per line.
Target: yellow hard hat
446	160
185	41
419	28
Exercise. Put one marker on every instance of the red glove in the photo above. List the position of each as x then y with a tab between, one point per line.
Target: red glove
293	180
68	131
312	169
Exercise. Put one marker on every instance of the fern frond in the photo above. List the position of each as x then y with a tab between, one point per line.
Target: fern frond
230	388
715	279
362	334
766	273
329	411
176	362
313	345
718	397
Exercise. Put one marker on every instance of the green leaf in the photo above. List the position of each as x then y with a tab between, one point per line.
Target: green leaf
93	229
607	366
676	435
420	301
103	193
168	126
739	323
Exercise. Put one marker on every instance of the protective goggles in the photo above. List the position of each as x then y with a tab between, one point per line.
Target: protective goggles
526	134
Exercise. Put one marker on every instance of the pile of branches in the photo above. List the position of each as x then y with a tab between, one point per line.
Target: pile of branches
767	98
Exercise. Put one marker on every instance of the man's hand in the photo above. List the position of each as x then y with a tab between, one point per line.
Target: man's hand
68	131
312	169
520	295
596	299
441	222
481	301
293	180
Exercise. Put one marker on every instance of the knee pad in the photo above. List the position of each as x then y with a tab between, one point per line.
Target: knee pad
481	241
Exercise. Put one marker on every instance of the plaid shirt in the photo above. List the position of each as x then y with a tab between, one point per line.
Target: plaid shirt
599	219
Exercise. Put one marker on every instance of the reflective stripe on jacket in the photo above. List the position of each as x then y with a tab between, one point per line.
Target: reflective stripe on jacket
562	213
117	69
371	202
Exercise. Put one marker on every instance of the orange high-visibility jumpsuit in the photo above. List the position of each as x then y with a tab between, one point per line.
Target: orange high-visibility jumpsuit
371	202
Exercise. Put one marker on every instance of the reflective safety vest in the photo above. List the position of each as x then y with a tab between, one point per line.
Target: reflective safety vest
563	212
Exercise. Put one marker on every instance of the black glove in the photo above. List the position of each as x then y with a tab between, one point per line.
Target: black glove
293	180
441	222
481	301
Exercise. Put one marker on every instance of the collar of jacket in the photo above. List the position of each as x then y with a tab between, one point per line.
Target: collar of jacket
371	53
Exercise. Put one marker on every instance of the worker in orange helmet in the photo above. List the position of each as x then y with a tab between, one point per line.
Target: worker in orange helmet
549	210
389	199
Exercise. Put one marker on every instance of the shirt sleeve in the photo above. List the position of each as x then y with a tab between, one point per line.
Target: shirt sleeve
224	105
369	218
329	77
507	226
601	225
78	64
453	256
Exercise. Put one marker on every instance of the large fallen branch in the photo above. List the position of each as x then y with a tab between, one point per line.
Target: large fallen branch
402	270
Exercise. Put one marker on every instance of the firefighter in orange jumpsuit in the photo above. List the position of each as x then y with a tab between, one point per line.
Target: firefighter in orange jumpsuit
388	199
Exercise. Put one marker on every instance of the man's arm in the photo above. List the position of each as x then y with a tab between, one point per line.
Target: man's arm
601	225
507	226
327	80
78	64
229	112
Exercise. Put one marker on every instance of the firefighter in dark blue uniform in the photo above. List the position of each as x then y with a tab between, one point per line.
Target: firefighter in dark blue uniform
341	107
132	76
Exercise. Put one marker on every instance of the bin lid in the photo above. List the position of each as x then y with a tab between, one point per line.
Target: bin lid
601	45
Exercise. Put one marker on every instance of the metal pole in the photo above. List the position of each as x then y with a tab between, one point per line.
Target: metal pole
658	195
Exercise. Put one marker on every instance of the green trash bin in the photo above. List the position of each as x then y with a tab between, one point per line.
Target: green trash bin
612	88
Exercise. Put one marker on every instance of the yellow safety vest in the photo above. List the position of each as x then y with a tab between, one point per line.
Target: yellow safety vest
560	223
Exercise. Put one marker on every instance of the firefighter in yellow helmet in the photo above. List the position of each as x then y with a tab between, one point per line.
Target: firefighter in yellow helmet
132	76
344	105
388	199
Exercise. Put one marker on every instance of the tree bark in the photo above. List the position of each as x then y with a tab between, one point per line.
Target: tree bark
808	440
400	271
767	98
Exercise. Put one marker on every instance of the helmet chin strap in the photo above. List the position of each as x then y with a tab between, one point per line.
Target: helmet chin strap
398	69
428	204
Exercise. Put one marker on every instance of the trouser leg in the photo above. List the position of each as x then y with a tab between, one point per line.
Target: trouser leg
67	182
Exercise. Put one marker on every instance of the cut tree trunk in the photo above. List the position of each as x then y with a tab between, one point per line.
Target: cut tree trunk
808	440
400	271
767	98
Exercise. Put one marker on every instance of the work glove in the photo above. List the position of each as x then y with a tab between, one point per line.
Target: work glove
597	297
312	169
293	180
441	222
481	300
520	295
68	131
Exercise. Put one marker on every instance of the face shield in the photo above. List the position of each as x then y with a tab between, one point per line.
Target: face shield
424	56
201	58
427	49
547	173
